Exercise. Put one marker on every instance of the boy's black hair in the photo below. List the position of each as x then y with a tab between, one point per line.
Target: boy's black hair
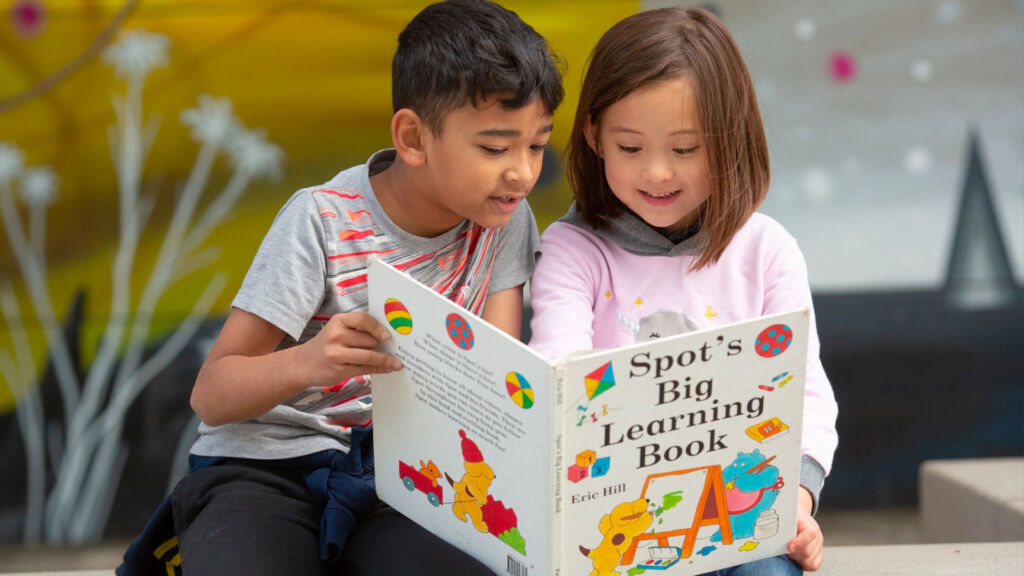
460	51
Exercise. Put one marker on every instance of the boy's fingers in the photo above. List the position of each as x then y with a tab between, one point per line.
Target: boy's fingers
362	322
353	338
371	361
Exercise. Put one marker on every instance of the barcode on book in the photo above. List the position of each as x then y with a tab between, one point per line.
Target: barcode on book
516	568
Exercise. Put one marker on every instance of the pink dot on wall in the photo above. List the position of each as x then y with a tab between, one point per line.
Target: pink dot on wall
28	17
842	67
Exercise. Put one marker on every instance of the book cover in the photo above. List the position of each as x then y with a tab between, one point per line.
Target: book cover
678	456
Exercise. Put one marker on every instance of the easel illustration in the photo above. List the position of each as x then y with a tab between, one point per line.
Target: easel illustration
711	511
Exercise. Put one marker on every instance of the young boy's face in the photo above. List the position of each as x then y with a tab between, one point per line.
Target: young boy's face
485	161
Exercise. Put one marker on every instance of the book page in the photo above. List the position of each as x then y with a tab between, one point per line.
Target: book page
462	434
683	454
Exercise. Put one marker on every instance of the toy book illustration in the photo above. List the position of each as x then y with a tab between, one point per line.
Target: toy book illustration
678	455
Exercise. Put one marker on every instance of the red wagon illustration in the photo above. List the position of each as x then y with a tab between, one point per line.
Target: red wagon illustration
413	479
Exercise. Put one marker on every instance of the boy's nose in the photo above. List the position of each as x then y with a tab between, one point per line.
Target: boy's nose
521	173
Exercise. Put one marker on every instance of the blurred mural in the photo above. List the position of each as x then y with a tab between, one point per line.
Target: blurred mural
146	146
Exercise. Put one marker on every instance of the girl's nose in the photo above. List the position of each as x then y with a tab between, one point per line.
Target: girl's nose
658	170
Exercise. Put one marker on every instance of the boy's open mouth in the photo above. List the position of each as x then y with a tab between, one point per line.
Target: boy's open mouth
506	203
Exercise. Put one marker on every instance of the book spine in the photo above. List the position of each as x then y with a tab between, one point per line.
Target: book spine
558	470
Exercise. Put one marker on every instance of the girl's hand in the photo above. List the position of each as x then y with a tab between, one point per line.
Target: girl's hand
807	548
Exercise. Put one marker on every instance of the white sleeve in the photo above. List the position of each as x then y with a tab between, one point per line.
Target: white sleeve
787	288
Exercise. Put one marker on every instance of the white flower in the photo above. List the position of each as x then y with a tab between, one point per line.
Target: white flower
250	152
39	186
136	53
12	160
211	121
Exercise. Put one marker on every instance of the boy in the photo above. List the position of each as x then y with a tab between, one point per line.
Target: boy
282	473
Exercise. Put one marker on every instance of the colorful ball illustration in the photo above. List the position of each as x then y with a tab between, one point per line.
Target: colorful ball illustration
773	340
398	316
459	331
519	390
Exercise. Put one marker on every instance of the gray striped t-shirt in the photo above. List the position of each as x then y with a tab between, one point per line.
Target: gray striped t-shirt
312	265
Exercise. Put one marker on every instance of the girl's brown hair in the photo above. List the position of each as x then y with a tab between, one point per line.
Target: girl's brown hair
662	45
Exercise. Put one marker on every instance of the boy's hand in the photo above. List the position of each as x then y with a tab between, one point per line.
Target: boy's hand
245	376
806	549
345	348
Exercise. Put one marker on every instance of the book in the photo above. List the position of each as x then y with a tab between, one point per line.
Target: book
679	455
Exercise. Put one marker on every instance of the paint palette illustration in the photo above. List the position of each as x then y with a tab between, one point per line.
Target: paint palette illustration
661	558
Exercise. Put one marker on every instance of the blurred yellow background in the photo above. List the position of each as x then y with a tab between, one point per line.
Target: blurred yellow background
314	75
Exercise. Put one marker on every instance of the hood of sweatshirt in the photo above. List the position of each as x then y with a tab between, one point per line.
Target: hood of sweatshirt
638	237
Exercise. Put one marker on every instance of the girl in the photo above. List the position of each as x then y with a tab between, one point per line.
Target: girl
668	163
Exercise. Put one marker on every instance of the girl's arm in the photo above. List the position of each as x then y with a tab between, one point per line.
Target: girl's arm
505	310
562	292
808	546
245	376
787	288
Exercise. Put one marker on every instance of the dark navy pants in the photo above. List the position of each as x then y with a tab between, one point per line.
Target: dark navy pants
314	515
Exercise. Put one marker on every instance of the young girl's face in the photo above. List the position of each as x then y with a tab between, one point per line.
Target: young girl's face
654	156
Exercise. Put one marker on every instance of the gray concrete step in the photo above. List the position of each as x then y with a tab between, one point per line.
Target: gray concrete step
991	559
972	500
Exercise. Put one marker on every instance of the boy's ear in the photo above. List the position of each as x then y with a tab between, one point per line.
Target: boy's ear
408	133
590	133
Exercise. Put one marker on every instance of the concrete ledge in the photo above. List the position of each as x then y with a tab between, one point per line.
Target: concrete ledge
64	573
991	559
972	500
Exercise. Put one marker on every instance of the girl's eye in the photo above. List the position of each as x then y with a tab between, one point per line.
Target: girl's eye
629	149
492	151
539	148
686	151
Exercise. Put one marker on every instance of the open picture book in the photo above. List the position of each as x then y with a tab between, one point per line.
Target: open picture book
679	455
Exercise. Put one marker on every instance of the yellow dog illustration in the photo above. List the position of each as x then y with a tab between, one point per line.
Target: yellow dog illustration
471	490
625	522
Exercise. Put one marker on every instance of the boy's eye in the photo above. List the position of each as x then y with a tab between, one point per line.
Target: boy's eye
686	151
629	149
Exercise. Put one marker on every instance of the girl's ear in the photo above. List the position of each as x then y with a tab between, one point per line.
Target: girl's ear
590	133
408	133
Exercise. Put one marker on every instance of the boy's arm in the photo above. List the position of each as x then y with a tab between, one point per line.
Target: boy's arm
243	376
504	309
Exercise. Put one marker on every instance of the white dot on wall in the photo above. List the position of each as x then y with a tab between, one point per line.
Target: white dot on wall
805	29
818	186
918	160
921	70
949	11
